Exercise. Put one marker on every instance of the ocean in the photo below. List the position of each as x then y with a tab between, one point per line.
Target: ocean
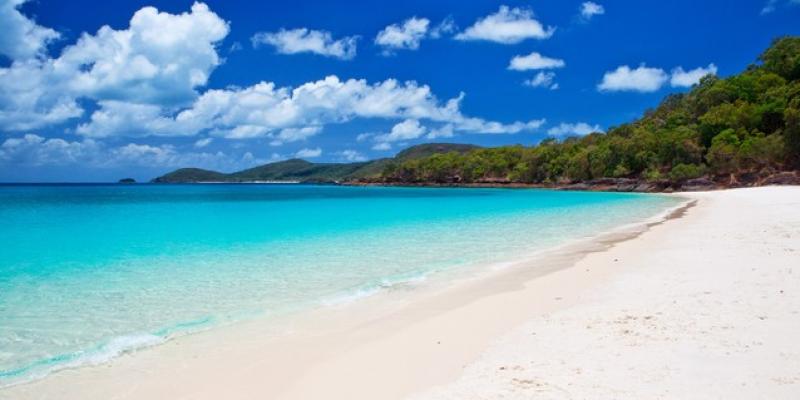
89	272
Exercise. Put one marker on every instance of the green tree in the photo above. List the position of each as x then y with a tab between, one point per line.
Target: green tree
783	57
722	153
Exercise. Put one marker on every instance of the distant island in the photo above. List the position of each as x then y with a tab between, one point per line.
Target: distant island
127	180
296	170
743	130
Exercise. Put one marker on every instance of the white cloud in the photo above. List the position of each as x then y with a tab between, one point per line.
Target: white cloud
447	26
350	155
404	36
200	143
308	153
147	80
35	150
290	114
22	38
534	61
288	135
589	9
304	40
383	146
409	34
159	60
543	79
116	118
681	78
645	79
641	79
507	26
444	131
406	130
477	125
576	129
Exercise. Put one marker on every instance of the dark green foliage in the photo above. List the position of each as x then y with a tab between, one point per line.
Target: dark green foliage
684	172
783	58
747	123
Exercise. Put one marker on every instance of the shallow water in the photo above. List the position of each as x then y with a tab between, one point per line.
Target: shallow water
88	272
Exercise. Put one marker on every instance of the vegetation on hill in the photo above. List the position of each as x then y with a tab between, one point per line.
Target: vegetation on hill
304	171
745	127
190	175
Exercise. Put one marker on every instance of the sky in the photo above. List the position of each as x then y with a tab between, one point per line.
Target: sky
98	91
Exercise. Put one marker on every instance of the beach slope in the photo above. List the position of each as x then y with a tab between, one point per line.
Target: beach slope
705	304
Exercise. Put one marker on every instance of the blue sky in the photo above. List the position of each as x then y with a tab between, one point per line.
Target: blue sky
96	91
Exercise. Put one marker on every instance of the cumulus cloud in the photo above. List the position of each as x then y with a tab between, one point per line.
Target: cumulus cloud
406	130
350	155
147	79
116	118
681	78
200	143
645	79
408	34
403	36
576	129
543	79
22	38
444	131
507	26
534	61
35	150
289	114
589	9
160	59
641	79
411	129
288	135
304	40
308	153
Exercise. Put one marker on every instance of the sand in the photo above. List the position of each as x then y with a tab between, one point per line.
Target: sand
704	305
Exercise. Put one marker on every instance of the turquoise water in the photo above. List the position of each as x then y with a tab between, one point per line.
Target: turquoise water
88	272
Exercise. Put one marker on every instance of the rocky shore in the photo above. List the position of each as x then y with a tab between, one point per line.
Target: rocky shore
618	184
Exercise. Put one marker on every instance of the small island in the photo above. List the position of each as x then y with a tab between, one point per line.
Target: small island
127	180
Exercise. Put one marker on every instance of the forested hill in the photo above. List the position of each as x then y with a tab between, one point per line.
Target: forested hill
740	130
305	171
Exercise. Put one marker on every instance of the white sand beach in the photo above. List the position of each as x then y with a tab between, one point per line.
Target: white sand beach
704	305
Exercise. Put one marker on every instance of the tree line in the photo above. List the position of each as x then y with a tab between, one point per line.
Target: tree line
723	128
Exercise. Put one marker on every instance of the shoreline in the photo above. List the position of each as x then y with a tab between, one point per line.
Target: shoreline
376	306
397	344
785	178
